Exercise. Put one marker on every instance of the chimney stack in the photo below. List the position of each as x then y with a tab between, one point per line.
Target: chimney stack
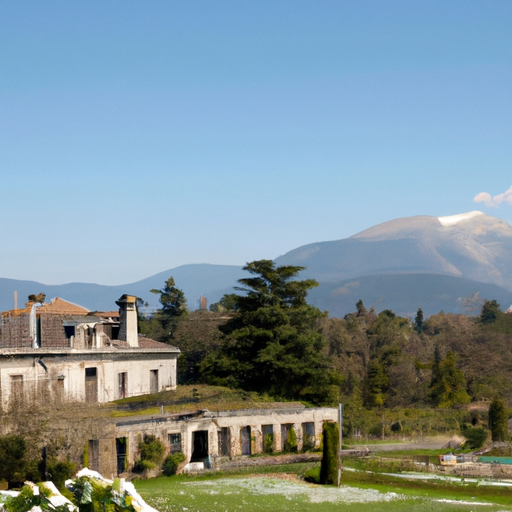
128	320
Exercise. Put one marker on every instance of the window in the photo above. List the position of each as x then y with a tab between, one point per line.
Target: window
122	383
224	440
17	387
267	432
91	385
69	330
308	436
175	442
153	381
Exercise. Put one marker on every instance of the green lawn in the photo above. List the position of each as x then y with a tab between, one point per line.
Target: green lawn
280	492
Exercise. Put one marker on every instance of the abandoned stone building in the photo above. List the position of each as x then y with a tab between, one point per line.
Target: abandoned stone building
207	438
61	351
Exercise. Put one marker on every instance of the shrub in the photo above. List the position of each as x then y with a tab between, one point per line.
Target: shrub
308	442
152	449
59	471
313	475
290	445
268	443
13	460
172	462
23	502
152	452
329	466
475	438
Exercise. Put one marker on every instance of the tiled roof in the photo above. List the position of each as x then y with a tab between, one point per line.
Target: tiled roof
56	306
149	343
59	306
143	343
105	314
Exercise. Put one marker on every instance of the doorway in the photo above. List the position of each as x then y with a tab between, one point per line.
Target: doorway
121	454
245	440
200	447
94	454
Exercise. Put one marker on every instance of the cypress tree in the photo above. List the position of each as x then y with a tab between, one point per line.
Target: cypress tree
329	466
498	420
418	321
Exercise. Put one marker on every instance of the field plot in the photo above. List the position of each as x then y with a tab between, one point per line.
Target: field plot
284	492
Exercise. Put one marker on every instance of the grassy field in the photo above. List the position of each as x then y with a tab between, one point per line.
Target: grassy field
192	398
280	489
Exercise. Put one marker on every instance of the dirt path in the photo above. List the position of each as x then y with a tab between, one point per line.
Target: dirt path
432	443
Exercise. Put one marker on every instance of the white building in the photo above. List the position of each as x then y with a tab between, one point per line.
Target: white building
61	351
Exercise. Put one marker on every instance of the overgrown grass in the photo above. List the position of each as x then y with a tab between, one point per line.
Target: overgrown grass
191	398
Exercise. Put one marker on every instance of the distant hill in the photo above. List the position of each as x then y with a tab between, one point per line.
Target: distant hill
212	281
473	246
403	293
402	264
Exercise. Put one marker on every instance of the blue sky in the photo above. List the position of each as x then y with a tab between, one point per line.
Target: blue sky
139	136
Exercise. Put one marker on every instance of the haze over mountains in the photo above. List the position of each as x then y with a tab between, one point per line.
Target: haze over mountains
403	264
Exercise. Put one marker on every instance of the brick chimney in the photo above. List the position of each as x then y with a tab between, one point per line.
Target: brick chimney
128	320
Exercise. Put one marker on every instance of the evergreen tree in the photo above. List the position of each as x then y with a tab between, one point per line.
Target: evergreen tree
273	344
490	311
174	303
418	321
226	304
164	322
498	420
448	385
329	464
377	383
361	310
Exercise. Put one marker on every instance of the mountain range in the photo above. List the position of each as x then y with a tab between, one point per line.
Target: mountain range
403	264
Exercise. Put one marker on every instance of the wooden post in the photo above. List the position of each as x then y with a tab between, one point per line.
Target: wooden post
340	440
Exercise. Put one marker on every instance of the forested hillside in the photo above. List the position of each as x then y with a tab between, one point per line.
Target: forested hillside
385	361
259	342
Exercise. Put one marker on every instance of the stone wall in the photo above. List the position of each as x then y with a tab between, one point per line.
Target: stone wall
52	331
162	426
15	332
65	429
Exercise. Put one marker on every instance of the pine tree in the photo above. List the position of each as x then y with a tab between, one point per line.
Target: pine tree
273	343
418	321
490	311
164	322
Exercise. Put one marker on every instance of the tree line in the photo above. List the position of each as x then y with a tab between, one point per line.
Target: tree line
267	338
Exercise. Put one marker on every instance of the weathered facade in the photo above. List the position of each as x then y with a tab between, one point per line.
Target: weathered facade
60	351
209	437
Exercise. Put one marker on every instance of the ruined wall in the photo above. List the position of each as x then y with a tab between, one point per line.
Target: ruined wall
235	421
15	332
52	331
65	429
